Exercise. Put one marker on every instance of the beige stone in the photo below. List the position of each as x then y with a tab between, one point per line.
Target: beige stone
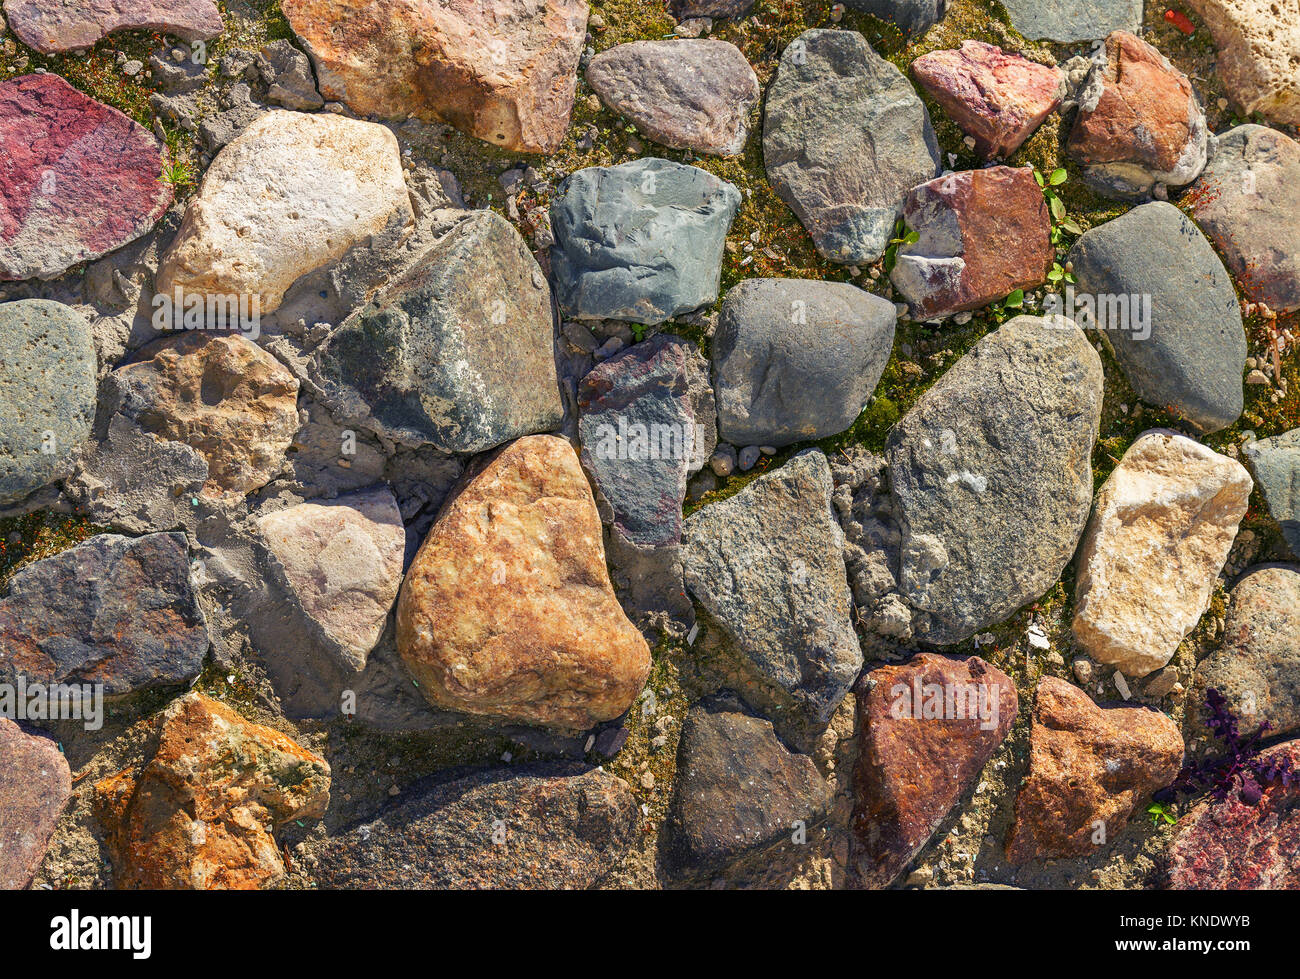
1259	53
1159	535
507	609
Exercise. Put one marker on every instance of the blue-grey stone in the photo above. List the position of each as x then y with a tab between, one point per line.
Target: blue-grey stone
1276	464
1073	20
910	16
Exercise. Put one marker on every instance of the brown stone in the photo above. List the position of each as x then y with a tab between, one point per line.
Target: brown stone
201	813
508	610
1089	767
1259	51
35	785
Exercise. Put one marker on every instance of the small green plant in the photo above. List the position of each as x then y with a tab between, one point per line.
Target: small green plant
1061	220
638	331
901	237
1159	812
178	173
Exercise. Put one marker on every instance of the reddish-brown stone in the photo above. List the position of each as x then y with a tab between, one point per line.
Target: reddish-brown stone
73	24
35	786
919	754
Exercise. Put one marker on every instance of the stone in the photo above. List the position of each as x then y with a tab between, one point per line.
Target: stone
686	94
201	813
1245	201
35	786
291	194
458	353
997	98
927	728
1076	20
1150	283
1258	666
342	561
47	393
738	790
115	610
1140	127
1089	764
507	610
52	28
223	396
80	179
287	74
431	59
1159	536
991	475
687	9
1276	465
642	241
1258	43
565	827
983	235
910	16
1231	845
845	137
768	565
796	359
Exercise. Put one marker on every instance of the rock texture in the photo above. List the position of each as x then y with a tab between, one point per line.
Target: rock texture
996	98
844	138
79	178
223	396
1090	766
1258	42
458	353
508	610
537	827
991	474
695	94
686	9
641	241
292	193
1276	464
51	28
983	234
47	393
430	59
911	16
797	359
114	610
1158	538
1177	336
1078	20
1139	125
928	726
201	812
35	786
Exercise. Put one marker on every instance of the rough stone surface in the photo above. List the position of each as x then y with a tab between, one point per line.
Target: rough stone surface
292	193
688	9
1233	846
1276	465
1139	125
51	28
79	178
845	137
1258	666
1259	44
288	77
928	726
996	98
223	396
1246	200
797	359
689	94
342	561
459	353
114	610
768	565
1178	337
566	827
641	241
911	16
1088	764
983	234
991	474
201	812
1076	20
35	786
47	393
432	59
508	609
738	789
1158	538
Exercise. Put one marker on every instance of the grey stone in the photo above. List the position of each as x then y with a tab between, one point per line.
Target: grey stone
641	241
1276	465
1192	361
1074	20
748	458
288	77
35	786
47	393
910	16
687	9
991	475
845	137
797	359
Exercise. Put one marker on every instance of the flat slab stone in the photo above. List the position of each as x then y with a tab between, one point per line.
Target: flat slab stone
72	25
35	786
1276	464
1258	43
1073	20
911	16
687	9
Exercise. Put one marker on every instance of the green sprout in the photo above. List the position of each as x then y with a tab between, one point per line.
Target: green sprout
1160	811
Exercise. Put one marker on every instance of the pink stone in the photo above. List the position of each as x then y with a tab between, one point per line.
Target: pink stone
51	26
35	785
